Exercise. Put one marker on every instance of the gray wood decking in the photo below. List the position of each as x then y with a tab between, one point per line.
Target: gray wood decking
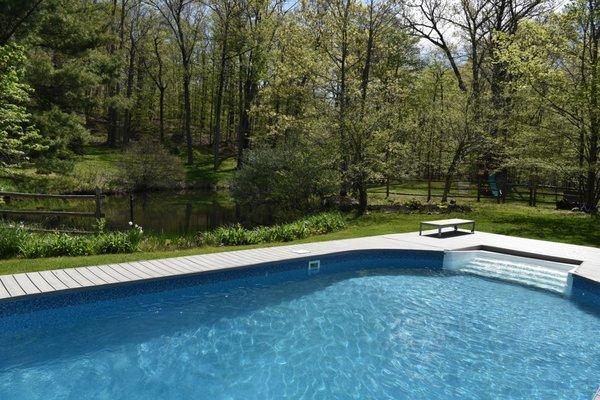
36	283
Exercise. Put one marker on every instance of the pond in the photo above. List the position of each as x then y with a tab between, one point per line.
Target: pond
169	213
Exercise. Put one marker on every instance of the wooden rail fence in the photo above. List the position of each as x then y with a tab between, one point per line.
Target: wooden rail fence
532	194
98	212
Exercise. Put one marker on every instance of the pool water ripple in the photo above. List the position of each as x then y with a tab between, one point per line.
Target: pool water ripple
385	334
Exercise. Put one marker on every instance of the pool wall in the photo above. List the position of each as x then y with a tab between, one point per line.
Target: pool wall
585	291
267	273
581	290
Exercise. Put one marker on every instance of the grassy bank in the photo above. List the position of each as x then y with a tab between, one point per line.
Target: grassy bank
99	166
508	219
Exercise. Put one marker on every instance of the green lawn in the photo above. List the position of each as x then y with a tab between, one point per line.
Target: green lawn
98	166
509	219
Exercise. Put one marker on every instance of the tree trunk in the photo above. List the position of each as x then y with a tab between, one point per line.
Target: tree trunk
594	134
451	171
364	84
342	105
113	87
203	95
188	115
240	131
161	113
113	116
362	197
219	99
129	92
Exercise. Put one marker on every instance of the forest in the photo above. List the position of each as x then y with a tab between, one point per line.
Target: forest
309	101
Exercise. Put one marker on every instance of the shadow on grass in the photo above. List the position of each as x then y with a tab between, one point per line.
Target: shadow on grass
202	172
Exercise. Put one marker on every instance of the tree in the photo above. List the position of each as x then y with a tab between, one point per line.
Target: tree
223	10
157	73
137	30
18	136
559	65
479	22
15	15
261	20
186	20
65	64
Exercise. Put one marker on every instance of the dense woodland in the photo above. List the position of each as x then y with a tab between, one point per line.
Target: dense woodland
314	99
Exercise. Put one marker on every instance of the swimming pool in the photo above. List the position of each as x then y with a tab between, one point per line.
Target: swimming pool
359	327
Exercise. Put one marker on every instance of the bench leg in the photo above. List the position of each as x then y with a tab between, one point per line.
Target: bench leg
455	227
420	229
473	227
440	232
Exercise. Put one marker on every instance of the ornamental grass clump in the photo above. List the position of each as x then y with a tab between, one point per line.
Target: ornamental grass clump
237	235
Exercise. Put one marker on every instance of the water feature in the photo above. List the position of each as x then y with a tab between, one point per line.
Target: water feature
542	274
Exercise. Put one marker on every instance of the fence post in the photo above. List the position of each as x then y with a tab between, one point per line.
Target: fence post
387	187
131	217
99	204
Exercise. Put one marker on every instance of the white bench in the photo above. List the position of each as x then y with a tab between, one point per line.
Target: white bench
447	223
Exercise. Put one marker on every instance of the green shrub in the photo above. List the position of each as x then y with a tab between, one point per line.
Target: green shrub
112	243
11	240
149	165
237	235
16	241
290	177
55	245
118	242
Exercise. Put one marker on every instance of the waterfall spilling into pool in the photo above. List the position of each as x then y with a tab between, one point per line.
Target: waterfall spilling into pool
548	275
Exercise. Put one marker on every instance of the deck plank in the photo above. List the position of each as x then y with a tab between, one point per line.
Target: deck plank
53	280
192	267
67	279
39	281
216	261
105	274
140	270
11	285
162	270
91	276
185	268
26	284
248	258
3	292
196	262
125	273
83	278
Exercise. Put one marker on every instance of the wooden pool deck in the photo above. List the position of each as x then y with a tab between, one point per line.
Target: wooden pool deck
15	286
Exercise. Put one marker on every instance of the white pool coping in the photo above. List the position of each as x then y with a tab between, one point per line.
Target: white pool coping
586	260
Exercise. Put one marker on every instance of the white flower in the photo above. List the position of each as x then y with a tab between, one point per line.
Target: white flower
130	223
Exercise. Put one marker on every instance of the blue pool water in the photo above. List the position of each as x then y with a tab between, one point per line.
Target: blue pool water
379	334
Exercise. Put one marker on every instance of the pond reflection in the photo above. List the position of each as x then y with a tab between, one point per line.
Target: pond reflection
158	212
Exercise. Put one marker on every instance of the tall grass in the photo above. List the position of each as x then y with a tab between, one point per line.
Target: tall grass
237	235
